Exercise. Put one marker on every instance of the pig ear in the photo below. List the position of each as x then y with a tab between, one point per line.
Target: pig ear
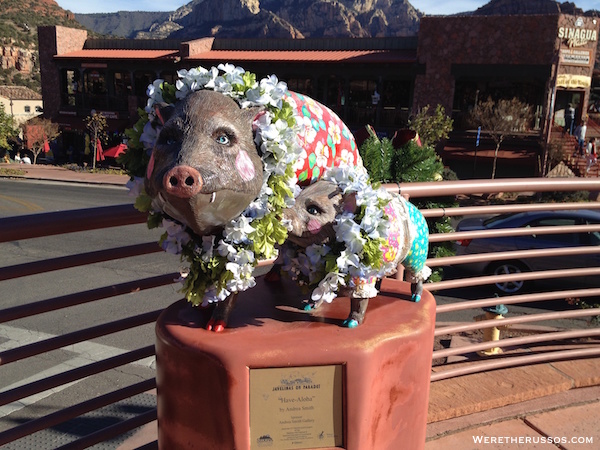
349	203
162	113
252	114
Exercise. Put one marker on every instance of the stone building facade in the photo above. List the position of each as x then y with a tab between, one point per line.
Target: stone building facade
549	59
456	61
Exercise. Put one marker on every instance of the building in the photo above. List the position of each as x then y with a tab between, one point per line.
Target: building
20	102
545	60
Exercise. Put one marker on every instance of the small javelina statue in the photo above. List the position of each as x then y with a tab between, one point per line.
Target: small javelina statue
313	219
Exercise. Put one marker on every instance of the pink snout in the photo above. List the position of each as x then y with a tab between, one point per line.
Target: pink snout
182	181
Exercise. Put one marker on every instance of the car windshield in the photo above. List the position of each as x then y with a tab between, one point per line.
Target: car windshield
496	219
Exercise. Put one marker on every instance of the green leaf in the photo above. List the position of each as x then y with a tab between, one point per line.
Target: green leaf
143	202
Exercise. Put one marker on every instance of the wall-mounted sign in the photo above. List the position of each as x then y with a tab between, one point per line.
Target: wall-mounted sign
109	114
575	57
573	81
94	65
577	37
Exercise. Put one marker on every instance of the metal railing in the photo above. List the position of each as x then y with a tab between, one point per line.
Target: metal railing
17	229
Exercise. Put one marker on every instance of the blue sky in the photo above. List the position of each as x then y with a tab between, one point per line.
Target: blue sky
431	7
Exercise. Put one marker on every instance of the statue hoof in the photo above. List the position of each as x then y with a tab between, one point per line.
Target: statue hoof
309	307
416	298
350	323
215	325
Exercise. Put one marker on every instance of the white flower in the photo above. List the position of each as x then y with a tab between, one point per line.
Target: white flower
212	295
327	288
348	231
225	248
242	277
207	250
243	257
149	135
233	73
135	185
315	252
254	97
176	237
237	230
346	260
154	93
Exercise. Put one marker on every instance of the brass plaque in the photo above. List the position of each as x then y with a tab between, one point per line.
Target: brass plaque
296	407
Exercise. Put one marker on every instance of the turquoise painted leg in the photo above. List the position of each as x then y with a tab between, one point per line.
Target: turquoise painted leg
417	291
358	309
350	323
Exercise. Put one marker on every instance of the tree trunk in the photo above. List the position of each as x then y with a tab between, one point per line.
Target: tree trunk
95	149
495	160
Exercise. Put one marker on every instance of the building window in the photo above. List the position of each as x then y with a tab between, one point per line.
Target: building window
170	77
27	109
122	84
95	82
141	82
361	103
70	83
301	85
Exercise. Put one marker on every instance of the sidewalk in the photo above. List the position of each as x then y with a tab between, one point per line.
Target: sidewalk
56	173
515	408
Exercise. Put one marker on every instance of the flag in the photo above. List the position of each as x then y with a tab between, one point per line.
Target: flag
99	152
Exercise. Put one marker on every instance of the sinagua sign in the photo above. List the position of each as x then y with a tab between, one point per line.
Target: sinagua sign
577	37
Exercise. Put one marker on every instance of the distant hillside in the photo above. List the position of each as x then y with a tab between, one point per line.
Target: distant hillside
294	19
18	38
516	7
123	23
272	18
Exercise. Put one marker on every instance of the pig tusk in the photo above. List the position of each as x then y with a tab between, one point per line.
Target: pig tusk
212	197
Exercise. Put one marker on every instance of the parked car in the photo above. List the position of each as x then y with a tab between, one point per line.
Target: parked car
530	242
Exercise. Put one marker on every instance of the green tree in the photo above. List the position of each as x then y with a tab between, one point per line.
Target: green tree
431	126
500	119
406	164
7	127
96	124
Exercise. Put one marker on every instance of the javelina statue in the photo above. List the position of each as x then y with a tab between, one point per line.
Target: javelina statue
225	161
342	219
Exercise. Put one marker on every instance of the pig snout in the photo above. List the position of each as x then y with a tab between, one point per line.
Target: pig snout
182	181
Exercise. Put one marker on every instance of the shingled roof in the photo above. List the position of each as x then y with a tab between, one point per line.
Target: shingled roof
19	93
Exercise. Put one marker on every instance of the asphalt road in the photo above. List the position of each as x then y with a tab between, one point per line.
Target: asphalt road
23	197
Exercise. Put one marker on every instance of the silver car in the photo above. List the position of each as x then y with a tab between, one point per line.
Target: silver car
541	241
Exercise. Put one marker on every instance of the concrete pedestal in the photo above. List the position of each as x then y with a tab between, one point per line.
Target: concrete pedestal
203	377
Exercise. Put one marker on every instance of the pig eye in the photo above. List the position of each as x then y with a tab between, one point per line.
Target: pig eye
314	210
223	139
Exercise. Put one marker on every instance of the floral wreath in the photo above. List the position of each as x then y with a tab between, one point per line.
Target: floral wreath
223	264
356	259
